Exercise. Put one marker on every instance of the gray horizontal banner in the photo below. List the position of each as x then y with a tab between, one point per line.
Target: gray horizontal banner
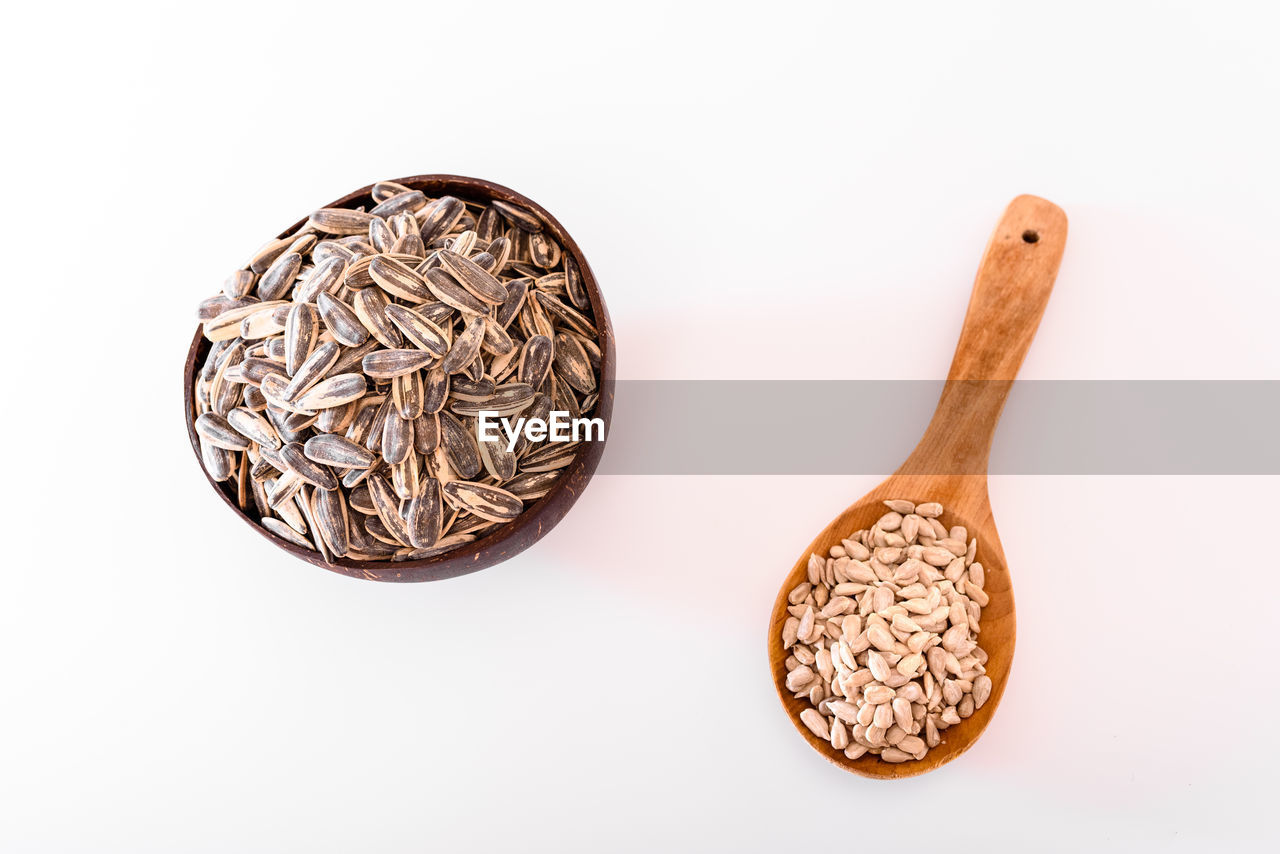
870	427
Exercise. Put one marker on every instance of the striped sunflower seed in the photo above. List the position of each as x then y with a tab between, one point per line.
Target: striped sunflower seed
294	456
426	515
426	433
407	201
465	389
517	216
385	364
496	340
397	438
446	288
572	318
301	331
543	251
263	323
370	307
465	347
535	360
460	446
387	505
334	391
340	221
397	279
336	418
418	330
332	521
506	400
472	277
238	284
498	461
278	278
352	357
337	451
408	395
440	218
487	502
268	253
227	324
284	532
324	278
384	190
517	293
531	486
574	286
217	431
548	458
499	250
317	365
435	390
572	363
254	426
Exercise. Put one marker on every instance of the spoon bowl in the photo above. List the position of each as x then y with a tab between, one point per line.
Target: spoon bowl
964	500
949	465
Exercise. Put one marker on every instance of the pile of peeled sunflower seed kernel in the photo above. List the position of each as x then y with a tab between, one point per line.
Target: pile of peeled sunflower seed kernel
350	360
883	636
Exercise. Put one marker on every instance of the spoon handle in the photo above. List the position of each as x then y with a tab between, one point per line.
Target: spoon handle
1009	296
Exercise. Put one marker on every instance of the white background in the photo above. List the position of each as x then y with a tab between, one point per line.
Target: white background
820	176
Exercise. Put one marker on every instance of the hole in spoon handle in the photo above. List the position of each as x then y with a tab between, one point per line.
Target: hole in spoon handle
1009	297
1011	290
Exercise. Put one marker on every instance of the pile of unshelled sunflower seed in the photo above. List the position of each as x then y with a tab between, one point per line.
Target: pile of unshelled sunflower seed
351	358
883	636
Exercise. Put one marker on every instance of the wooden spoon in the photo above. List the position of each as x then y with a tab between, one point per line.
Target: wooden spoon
950	463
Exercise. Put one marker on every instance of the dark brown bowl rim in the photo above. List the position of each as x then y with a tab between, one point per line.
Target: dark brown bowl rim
537	520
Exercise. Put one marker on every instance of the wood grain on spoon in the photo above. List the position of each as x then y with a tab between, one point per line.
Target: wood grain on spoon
949	465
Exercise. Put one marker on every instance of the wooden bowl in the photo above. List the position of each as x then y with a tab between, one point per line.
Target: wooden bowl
538	519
